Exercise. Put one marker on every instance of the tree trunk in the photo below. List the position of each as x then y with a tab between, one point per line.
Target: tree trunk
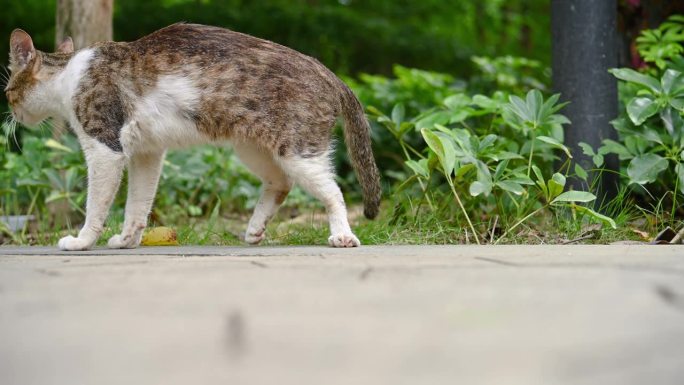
584	46
86	21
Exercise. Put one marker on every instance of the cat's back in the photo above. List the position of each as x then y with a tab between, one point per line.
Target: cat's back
210	47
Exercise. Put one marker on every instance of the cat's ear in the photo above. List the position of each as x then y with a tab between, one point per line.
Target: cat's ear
21	48
67	46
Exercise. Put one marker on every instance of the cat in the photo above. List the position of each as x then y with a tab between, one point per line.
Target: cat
189	84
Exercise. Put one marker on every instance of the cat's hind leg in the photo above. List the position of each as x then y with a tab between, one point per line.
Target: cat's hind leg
315	175
105	167
276	186
143	177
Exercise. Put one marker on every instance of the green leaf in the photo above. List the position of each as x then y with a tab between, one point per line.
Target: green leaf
555	185
500	168
556	143
503	155
595	215
574	196
679	170
670	80
540	181
56	195
485	102
443	148
534	101
510	186
521	179
559	178
458	101
586	149
429	120
612	147
640	109
419	168
632	76
476	188
645	168
677	103
398	113
579	171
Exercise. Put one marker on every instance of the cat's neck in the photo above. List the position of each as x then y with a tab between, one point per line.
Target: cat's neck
68	69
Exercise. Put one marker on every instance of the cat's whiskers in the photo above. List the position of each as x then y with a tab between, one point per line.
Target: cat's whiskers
5	76
10	129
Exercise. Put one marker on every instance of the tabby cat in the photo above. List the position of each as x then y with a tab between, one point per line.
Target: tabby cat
190	84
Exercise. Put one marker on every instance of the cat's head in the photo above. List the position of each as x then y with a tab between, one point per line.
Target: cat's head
30	72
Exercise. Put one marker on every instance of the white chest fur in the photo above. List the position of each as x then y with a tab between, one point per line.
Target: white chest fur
162	118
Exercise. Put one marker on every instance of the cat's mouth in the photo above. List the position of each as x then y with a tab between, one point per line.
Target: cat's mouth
24	118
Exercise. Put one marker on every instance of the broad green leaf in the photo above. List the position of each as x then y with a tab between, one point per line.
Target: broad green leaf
443	148
429	120
419	168
677	103
462	170
487	141
555	143
586	149
670	80
521	179
459	115
579	171
555	185
478	187
534	101
640	109
398	113
559	178
458	101
595	215
500	168
574	196
510	186
679	170
485	102
645	168
635	77
519	108
612	147
503	155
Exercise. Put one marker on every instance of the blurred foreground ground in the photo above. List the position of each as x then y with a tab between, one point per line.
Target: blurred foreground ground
315	315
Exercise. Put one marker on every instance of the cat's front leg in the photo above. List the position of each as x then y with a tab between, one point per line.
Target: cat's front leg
143	177
104	175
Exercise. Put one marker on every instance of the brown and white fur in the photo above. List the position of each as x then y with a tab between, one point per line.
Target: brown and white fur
191	84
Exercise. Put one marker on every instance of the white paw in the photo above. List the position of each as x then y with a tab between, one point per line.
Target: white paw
254	237
344	240
125	242
72	243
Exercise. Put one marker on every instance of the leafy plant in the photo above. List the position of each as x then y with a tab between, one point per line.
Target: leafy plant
662	45
493	170
651	125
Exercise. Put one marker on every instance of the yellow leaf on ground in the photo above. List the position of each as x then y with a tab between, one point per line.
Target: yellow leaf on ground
160	236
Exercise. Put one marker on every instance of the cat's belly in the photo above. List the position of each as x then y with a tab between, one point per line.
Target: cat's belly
163	118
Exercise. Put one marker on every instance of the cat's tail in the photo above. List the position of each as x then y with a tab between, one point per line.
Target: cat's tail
358	140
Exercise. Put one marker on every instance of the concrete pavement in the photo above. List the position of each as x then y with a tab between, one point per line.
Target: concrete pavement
316	315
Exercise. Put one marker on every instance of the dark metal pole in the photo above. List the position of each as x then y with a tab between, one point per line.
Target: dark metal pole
584	45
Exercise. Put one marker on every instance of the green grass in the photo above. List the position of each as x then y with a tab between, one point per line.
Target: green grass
310	228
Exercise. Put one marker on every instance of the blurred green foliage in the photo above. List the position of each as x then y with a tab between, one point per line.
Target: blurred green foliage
349	36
